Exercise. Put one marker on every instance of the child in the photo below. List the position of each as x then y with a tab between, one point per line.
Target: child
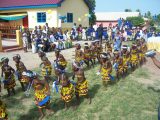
42	93
81	88
105	68
20	69
8	76
67	89
118	64
46	68
79	55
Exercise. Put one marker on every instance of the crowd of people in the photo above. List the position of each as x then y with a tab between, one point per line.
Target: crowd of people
115	56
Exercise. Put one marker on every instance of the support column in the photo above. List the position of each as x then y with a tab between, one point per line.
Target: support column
19	38
1	42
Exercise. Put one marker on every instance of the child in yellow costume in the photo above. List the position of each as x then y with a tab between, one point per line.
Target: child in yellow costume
67	89
60	63
41	93
79	55
108	47
46	68
81	88
3	112
8	76
118	64
87	55
20	68
134	56
126	57
105	68
94	53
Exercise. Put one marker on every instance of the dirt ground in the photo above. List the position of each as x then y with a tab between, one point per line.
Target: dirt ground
32	61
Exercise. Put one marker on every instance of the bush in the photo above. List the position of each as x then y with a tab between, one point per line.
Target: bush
136	21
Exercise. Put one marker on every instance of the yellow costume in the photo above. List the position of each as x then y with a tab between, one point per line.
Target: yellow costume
46	70
9	80
120	66
67	92
109	48
87	56
63	63
78	57
20	71
134	57
81	87
3	113
105	74
40	95
126	61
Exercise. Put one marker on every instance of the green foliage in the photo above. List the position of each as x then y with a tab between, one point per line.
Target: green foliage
92	5
128	10
136	21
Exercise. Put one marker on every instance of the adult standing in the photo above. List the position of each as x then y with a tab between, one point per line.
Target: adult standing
100	32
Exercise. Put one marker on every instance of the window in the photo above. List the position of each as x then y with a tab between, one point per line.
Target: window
70	17
41	17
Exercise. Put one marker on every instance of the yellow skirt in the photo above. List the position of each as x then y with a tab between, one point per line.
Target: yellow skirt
67	93
105	74
134	59
9	84
82	88
46	70
41	95
78	59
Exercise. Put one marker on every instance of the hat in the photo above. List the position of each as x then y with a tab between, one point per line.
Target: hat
116	52
29	73
4	58
124	47
57	50
17	56
86	45
96	40
104	55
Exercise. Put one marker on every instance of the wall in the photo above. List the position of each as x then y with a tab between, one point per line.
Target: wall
78	8
51	17
32	16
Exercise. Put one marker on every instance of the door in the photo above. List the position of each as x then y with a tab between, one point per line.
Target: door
25	22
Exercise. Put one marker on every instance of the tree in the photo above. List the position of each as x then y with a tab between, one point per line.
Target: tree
128	10
145	15
149	16
91	4
136	21
138	10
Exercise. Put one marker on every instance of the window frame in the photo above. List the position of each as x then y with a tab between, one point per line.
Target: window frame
41	18
69	17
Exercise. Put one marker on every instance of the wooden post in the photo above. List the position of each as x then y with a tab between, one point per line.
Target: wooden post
1	42
19	38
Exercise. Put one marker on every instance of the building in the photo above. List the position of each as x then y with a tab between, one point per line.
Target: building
107	18
31	13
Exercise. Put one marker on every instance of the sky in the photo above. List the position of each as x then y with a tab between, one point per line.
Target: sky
121	5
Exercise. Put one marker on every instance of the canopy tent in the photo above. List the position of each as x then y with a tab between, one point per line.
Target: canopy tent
13	17
154	43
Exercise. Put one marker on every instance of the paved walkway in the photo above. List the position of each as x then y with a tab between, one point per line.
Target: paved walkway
32	61
6	43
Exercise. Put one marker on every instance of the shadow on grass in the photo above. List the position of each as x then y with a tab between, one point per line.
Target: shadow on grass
33	114
93	91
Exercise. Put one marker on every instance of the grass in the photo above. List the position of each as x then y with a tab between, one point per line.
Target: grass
124	100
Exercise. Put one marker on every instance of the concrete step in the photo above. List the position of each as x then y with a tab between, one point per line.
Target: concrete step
12	49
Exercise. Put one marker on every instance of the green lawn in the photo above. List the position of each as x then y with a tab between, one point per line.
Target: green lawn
124	100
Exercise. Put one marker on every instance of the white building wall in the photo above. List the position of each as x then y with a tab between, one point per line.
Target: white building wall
51	17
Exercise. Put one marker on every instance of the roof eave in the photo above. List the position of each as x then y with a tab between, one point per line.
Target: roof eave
31	6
